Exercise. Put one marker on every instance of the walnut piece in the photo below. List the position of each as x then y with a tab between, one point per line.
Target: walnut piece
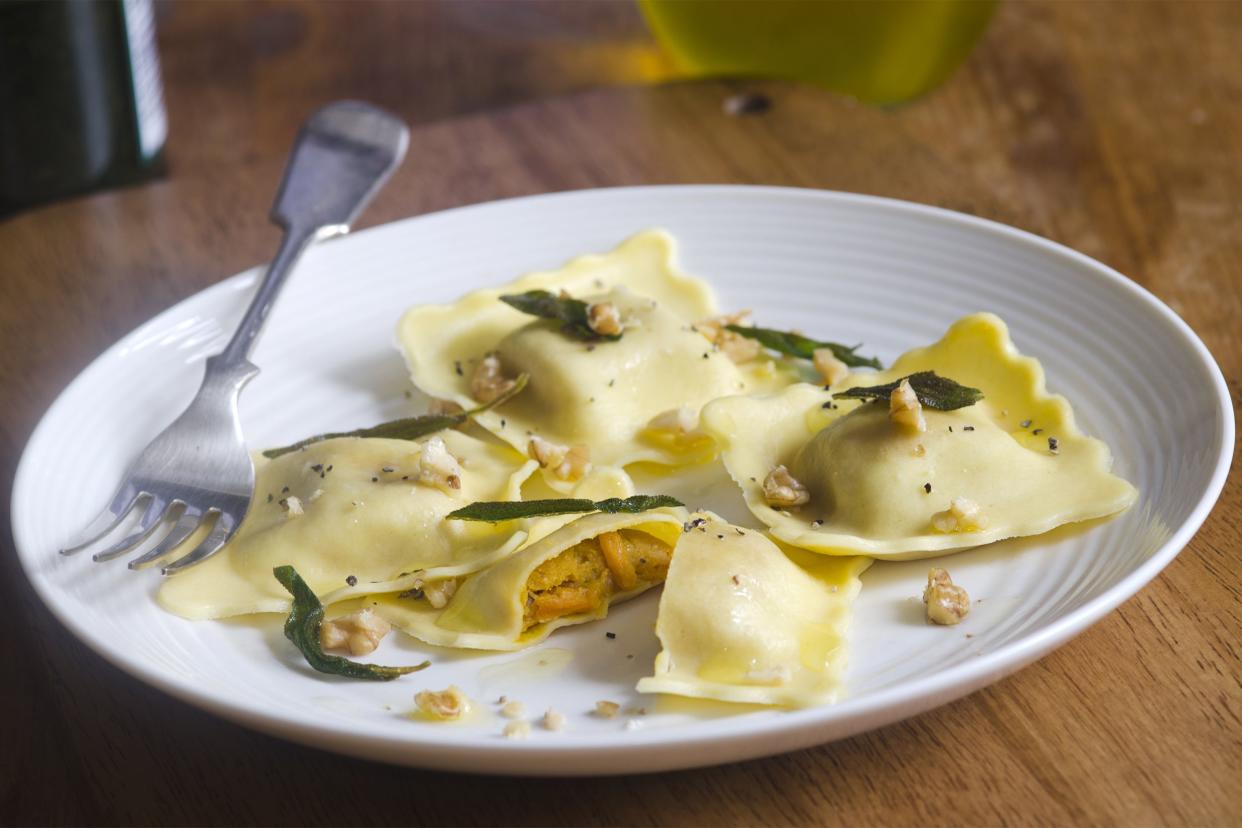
904	408
963	515
947	603
292	506
360	632
517	730
566	462
831	370
438	468
488	382
604	318
679	421
513	709
736	347
438	593
553	720
780	489
446	705
607	709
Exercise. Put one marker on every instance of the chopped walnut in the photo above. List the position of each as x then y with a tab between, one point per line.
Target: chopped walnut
360	632
713	327
736	347
438	468
831	369
566	462
553	720
292	506
487	382
513	709
780	489
446	705
604	318
947	603
905	409
438	593
680	421
517	730
963	515
439	407
607	709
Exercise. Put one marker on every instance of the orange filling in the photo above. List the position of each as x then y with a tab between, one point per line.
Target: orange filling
585	577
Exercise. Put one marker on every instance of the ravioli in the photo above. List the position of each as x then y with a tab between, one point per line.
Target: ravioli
739	621
354	507
569	576
601	394
876	488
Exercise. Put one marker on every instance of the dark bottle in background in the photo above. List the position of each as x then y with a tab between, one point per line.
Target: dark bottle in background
81	102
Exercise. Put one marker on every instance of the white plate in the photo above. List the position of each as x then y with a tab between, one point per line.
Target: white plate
890	274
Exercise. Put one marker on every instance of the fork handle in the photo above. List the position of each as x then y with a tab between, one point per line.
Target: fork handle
342	156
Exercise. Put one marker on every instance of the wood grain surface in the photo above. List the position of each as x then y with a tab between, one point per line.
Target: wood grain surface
1115	128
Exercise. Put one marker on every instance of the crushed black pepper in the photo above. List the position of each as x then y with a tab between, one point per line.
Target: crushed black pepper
388	470
285	490
416	592
352	580
694	524
374	479
720	537
950	429
1038	431
927	488
269	497
457	368
1054	445
968	428
610	635
737	581
1025	423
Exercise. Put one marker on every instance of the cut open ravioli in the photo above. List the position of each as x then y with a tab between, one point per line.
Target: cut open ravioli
601	394
364	509
741	621
882	489
569	576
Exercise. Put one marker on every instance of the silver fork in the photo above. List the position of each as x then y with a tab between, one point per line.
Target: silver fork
198	468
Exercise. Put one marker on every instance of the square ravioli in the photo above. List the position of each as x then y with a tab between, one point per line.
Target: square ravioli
355	508
741	621
860	481
623	400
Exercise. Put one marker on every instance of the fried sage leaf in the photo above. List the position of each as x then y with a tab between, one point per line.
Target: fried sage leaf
496	511
407	428
302	628
574	313
933	391
797	345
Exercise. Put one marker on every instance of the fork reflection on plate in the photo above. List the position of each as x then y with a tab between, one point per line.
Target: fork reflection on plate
197	472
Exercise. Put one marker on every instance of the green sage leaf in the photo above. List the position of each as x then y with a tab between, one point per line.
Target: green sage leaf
407	428
302	628
573	313
933	391
497	511
802	347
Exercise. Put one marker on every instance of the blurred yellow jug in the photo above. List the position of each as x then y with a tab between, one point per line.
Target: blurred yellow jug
879	51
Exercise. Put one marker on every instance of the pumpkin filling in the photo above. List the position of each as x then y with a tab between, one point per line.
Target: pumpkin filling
585	577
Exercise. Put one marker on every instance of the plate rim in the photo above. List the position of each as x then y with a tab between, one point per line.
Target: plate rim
653	751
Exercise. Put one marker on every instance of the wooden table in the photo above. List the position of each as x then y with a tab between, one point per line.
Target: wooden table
1113	128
